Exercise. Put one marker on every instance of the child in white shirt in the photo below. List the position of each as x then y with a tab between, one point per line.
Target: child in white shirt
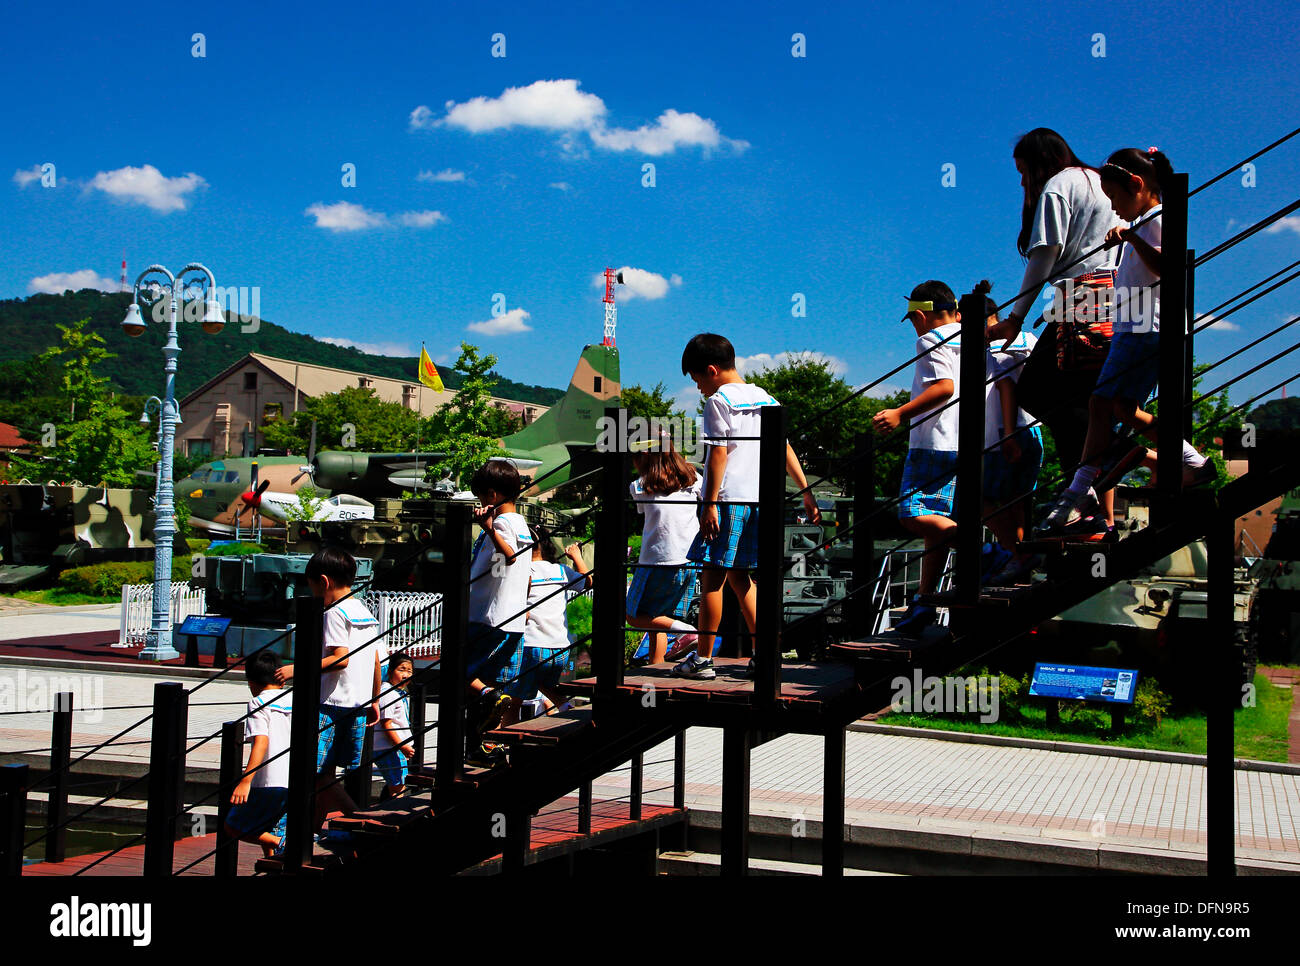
260	802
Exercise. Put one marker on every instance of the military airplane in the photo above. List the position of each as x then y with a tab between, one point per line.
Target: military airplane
557	445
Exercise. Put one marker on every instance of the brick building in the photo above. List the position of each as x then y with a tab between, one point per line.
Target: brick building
224	416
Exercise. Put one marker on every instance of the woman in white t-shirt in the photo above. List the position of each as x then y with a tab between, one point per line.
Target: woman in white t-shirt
1064	220
667	494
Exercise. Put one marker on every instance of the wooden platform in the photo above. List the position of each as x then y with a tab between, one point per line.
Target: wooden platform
808	691
130	861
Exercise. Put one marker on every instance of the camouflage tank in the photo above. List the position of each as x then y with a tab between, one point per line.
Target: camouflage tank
1155	620
45	529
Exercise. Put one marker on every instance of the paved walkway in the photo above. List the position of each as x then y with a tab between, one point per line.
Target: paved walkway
922	783
1289	677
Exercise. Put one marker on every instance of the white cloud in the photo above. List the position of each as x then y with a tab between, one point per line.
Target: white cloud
399	349
764	360
446	174
421	219
671	131
147	186
560	186
507	324
559	106
345	216
687	399
57	283
1289	223
638	283
674	279
27	176
1212	323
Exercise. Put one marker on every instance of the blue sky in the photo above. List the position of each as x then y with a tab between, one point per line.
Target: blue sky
774	174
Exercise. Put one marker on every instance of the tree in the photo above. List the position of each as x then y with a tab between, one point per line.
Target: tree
648	403
378	426
460	432
96	440
309	503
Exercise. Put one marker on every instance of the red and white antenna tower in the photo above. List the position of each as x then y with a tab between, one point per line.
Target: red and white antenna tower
123	272
612	278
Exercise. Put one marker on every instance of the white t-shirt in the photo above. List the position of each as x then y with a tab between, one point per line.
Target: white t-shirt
937	429
671	522
269	713
495	597
548	625
1075	213
1005	363
1137	288
350	624
732	413
393	706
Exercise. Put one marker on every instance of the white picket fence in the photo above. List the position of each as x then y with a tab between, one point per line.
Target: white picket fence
137	610
398	613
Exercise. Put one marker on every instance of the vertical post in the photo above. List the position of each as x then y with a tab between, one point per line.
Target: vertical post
1224	696
166	777
519	833
637	786
771	553
1174	387
219	654
415	689
226	860
13	812
609	606
679	770
864	500
191	650
833	804
304	730
970	445
453	658
584	808
56	812
1190	350
736	741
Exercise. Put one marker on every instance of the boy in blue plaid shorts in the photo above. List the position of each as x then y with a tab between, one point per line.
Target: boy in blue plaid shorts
926	505
727	544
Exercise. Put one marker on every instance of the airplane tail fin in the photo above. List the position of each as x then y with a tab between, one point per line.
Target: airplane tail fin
574	419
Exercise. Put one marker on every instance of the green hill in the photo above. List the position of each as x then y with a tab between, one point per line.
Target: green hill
27	326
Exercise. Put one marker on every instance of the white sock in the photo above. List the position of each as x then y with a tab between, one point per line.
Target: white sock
681	627
1084	477
1191	457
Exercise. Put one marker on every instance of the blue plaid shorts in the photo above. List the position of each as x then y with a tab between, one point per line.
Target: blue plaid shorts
391	765
543	668
1005	481
736	545
1132	367
932	473
494	654
267	810
342	732
660	591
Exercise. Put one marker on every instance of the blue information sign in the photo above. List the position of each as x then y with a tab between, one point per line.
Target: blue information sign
201	626
1072	681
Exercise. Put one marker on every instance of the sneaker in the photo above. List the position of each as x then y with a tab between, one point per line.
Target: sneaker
1122	466
699	668
1199	475
1017	571
749	669
684	644
1062	513
492	706
917	618
487	754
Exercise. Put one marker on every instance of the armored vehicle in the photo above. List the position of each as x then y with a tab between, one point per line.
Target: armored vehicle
45	529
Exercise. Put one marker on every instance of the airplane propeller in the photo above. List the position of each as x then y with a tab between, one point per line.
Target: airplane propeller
311	458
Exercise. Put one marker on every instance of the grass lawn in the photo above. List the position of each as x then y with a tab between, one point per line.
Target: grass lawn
59	596
1260	732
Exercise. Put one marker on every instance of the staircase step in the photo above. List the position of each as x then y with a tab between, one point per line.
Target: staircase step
321	862
892	645
544	729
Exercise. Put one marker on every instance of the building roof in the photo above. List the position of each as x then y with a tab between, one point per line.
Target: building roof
10	438
316	380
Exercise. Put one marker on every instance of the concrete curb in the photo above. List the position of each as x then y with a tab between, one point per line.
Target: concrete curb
59	609
117	667
1069	747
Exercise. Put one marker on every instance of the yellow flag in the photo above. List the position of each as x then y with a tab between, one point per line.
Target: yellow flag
428	372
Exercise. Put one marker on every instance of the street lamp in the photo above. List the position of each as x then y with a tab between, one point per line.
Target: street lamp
199	281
